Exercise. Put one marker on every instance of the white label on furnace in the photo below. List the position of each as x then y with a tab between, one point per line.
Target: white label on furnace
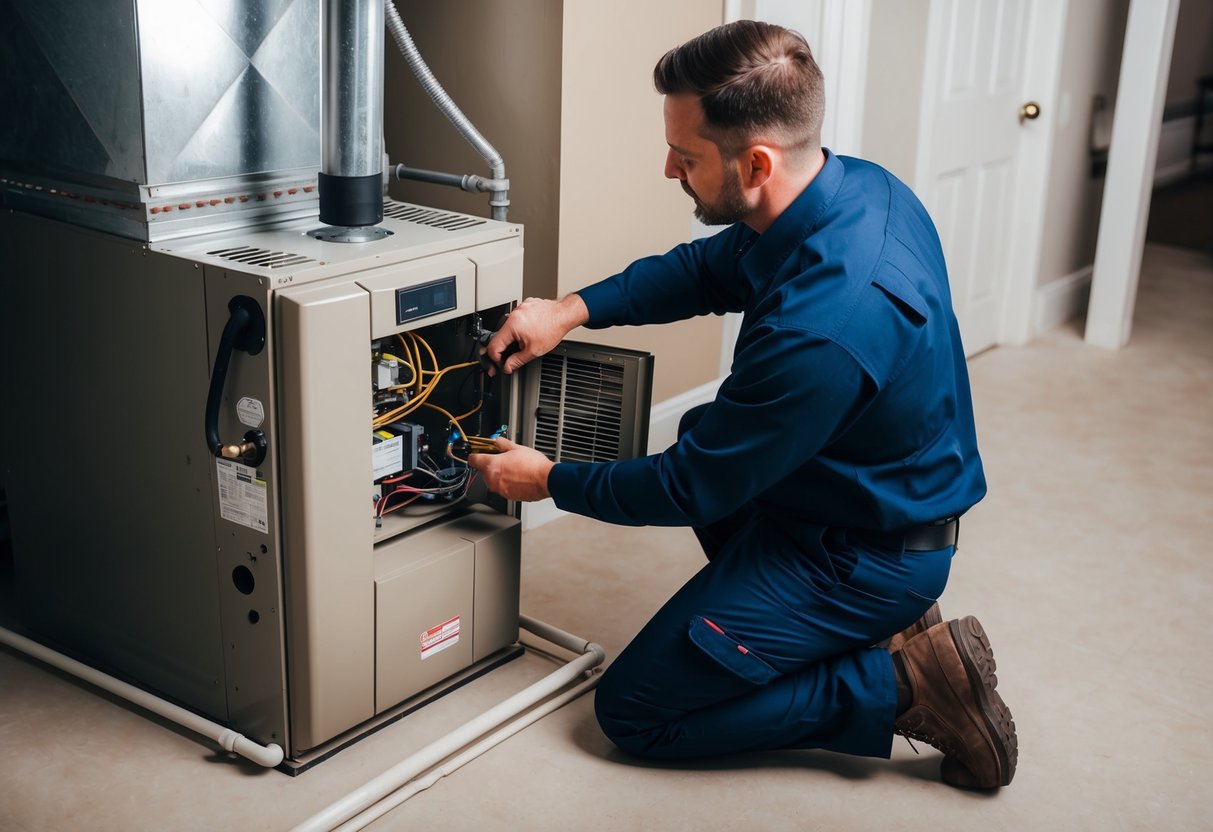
241	495
436	639
250	412
387	456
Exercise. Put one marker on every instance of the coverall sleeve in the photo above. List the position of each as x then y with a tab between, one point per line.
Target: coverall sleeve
695	278
789	393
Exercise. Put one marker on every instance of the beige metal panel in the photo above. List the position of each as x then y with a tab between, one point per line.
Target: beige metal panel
108	475
248	566
324	395
383	283
423	613
288	257
498	274
498	541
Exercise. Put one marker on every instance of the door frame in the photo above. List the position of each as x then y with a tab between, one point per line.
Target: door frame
1132	156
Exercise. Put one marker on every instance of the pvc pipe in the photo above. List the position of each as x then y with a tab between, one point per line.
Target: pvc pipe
499	201
375	790
496	738
266	755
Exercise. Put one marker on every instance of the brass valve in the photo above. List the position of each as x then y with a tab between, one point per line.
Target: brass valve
251	451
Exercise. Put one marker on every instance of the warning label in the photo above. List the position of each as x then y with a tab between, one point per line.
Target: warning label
436	639
241	495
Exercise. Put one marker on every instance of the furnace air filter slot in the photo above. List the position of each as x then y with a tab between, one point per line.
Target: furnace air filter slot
427	299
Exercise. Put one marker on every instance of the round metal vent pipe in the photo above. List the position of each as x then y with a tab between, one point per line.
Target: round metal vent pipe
351	172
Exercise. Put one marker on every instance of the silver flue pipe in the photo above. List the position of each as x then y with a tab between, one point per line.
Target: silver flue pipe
351	173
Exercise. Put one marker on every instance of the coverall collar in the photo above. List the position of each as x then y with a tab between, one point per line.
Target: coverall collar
767	252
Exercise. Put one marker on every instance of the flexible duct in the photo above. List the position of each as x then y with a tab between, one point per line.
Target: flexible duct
499	197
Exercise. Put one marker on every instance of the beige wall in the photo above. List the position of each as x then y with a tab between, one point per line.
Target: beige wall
896	63
570	104
511	92
1094	37
615	205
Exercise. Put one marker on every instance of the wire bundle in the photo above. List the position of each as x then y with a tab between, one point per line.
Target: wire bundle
450	483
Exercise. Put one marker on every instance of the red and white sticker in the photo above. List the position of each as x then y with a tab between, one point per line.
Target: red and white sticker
436	639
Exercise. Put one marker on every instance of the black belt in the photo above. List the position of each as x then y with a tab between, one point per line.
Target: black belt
928	537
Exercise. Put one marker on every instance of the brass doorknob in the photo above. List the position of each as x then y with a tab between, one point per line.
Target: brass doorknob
1029	111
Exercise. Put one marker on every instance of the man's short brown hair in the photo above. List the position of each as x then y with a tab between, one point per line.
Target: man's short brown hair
756	82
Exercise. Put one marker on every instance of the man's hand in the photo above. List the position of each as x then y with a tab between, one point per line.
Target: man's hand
516	472
536	326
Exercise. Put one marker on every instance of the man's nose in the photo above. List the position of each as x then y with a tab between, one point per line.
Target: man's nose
673	170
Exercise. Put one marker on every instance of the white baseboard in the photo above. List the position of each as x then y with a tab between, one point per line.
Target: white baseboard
663	432
664	417
540	512
1060	300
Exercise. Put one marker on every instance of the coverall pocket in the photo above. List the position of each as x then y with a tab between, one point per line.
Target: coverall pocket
729	653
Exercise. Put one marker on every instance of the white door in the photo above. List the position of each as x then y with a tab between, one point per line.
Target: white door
968	151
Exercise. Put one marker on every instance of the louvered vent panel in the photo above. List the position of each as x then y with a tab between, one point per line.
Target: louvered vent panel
261	257
579	417
428	216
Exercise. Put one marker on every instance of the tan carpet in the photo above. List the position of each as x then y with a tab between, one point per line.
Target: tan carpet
1088	563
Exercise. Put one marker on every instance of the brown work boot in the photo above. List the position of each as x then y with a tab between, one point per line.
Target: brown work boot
954	705
929	619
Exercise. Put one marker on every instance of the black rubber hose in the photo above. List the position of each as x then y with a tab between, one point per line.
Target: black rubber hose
237	322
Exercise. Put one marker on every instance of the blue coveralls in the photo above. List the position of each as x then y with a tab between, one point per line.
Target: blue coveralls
846	412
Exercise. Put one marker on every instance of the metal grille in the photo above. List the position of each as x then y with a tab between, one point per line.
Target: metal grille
261	257
579	413
428	216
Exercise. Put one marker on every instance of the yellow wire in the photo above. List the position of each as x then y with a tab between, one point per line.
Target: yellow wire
428	349
479	404
420	366
447	414
419	398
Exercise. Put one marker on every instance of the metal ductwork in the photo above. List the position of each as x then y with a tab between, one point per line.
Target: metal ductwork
351	174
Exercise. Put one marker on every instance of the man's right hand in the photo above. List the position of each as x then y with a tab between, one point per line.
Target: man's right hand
535	326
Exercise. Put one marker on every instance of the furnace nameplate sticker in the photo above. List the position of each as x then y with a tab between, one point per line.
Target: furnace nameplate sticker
436	639
241	495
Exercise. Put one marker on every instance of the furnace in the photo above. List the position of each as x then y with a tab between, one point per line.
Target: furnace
241	383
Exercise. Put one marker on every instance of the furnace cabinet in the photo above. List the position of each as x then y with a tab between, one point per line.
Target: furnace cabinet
345	566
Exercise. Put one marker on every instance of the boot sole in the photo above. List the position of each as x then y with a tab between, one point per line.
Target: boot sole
978	658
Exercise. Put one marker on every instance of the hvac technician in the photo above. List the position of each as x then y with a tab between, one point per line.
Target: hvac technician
825	479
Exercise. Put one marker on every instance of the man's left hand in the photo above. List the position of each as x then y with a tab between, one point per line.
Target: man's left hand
516	472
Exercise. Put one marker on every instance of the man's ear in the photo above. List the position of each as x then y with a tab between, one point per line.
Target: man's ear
757	166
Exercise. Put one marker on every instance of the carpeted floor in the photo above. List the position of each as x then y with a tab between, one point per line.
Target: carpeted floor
1088	563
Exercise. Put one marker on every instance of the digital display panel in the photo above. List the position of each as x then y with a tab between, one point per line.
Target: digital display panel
424	300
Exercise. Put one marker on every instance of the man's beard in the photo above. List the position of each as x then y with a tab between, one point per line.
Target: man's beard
730	208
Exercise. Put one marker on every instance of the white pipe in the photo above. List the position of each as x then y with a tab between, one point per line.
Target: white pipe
496	738
266	755
375	790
